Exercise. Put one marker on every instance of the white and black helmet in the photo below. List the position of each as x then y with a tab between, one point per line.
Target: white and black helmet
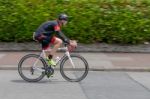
63	17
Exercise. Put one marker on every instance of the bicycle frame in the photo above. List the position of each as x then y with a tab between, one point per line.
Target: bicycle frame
43	54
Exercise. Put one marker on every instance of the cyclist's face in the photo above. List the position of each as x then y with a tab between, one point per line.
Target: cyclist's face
64	22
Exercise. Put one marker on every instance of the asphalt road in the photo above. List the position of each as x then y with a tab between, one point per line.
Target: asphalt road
97	85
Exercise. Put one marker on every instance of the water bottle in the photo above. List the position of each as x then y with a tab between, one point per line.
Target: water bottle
57	59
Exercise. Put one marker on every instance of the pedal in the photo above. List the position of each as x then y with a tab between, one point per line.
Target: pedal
49	72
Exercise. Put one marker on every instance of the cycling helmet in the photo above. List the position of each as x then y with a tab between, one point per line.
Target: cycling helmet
63	17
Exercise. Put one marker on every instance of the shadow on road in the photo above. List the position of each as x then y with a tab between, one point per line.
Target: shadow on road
43	81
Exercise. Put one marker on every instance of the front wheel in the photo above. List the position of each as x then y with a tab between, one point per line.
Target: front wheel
74	69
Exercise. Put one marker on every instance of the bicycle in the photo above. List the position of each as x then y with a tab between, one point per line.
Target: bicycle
73	67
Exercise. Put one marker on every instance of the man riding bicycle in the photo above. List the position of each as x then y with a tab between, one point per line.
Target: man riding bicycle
50	33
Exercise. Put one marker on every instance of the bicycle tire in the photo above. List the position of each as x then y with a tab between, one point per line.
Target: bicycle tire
77	79
20	68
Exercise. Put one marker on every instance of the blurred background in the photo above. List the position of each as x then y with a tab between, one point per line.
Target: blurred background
90	21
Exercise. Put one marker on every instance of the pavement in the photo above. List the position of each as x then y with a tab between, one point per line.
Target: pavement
100	56
99	61
97	85
114	74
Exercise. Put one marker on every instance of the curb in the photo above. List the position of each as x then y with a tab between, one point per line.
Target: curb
98	69
122	69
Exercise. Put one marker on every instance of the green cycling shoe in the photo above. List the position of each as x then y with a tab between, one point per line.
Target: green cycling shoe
51	62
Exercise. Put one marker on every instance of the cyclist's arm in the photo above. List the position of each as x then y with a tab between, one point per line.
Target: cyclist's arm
61	35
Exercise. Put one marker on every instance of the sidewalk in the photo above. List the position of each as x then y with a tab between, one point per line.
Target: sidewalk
100	56
97	61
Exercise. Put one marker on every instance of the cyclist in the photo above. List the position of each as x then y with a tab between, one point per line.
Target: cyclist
50	33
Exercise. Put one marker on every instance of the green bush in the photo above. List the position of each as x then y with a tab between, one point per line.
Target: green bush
91	21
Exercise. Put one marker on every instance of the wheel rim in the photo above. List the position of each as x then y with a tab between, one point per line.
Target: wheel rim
27	71
76	73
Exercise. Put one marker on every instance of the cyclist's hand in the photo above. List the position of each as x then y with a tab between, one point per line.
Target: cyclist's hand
72	45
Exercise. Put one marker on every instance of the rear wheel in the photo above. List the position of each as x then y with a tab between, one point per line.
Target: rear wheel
74	70
31	68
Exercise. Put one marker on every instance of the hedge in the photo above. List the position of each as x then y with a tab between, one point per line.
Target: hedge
90	21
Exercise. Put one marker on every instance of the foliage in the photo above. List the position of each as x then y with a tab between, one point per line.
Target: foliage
90	21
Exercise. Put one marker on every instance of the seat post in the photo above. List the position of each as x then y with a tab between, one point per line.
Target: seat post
44	54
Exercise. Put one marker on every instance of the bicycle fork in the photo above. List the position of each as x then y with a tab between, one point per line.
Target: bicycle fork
68	55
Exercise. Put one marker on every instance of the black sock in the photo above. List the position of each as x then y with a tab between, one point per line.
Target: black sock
50	56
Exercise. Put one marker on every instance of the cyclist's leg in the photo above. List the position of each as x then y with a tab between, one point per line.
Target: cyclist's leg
57	43
45	43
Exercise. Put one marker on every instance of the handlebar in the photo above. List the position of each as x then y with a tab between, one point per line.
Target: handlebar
65	44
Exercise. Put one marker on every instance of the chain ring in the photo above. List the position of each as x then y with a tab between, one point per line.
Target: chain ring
49	71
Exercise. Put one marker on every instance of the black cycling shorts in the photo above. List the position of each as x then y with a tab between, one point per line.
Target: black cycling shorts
45	41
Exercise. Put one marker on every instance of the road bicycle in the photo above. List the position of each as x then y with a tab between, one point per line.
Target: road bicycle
73	67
